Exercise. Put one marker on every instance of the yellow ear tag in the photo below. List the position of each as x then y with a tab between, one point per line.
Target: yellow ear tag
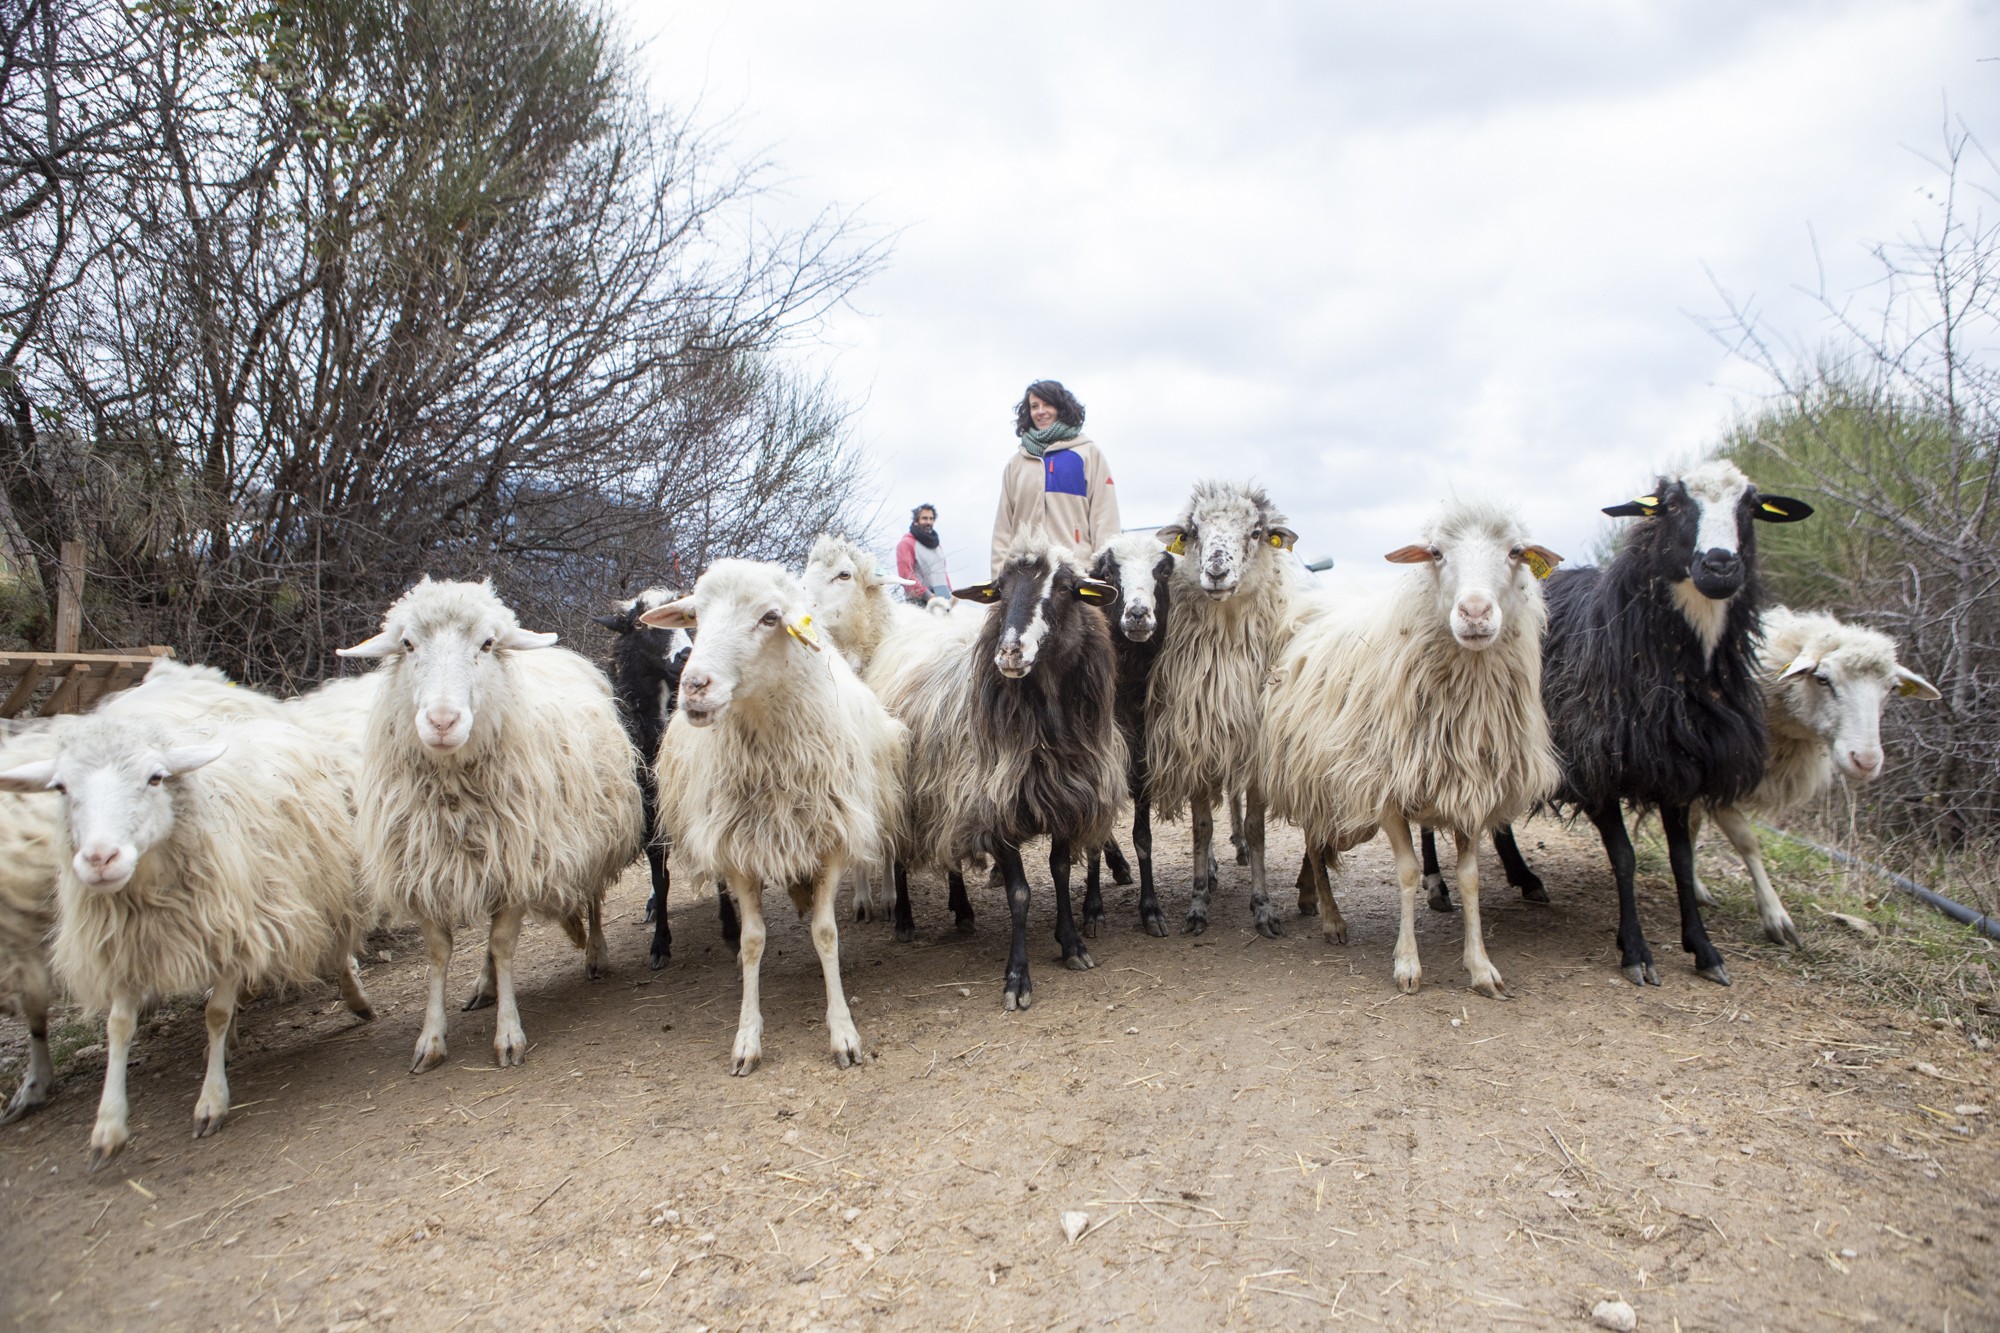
1277	541
1178	546
1541	568
1770	508
1908	688
805	633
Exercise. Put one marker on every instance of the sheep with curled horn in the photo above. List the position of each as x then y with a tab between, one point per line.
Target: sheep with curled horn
1423	703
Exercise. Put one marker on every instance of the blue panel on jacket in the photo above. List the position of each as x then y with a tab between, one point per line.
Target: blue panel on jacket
1062	473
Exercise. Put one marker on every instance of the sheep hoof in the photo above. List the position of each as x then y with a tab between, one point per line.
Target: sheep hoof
1268	925
1715	972
366	1013
101	1153
1492	987
1242	852
1196	924
1080	961
26	1101
430	1054
1015	999
479	999
1335	931
1641	974
1782	931
656	961
1121	874
1440	900
746	1064
510	1051
1090	925
205	1125
1702	895
1534	892
1409	983
907	934
1154	923
967	925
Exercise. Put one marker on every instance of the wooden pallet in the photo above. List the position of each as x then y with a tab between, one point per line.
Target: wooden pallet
80	679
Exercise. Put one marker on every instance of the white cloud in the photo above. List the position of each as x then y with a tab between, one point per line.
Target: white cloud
1364	254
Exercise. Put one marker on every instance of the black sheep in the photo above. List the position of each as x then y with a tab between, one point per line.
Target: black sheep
1047	759
646	676
1650	681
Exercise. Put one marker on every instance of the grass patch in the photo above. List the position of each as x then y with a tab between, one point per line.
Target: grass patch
1919	961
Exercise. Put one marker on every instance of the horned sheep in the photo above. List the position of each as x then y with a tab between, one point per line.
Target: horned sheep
221	864
1422	702
496	782
778	767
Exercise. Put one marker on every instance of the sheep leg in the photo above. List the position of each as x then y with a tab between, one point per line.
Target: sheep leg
1303	882
1236	832
841	1034
1331	923
1701	893
656	912
1408	971
1485	977
348	977
510	1042
725	912
1075	956
108	1135
1777	921
483	988
213	1104
1635	960
1266	916
1202	808
1151	919
430	1042
1434	885
1093	894
1516	865
1114	857
33	1093
596	955
961	903
906	919
1694	934
749	896
1020	991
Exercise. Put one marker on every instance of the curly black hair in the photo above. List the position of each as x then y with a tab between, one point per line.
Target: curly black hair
1068	410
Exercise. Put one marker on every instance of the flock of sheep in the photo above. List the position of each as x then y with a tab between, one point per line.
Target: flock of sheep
191	836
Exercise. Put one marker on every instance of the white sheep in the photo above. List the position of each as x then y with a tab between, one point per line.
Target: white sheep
1824	685
496	782
778	767
1420	703
1232	590
223	864
28	832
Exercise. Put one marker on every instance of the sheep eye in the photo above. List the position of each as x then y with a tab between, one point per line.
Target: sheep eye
156	779
409	647
60	788
842	576
1826	681
770	618
486	647
1436	554
1517	553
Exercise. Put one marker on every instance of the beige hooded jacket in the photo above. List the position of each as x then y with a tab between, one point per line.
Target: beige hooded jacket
1065	496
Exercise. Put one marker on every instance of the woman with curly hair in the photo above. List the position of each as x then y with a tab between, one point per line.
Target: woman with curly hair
1057	486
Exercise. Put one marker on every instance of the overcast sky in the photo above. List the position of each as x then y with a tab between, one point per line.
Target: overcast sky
1362	254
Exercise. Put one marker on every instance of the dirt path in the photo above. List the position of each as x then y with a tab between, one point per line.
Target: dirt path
1261	1132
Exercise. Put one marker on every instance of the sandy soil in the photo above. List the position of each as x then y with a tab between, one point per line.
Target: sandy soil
1260	1133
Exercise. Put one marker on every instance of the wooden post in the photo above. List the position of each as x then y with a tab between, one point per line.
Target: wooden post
69	597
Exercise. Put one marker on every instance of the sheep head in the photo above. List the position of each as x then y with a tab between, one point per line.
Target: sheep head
1835	684
753	619
1702	523
1137	566
1036	590
449	642
1227	530
1482	570
115	780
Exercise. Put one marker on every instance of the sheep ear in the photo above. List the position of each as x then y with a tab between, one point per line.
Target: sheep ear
1912	686
1094	590
674	615
1798	666
1644	507
187	758
1410	555
29	777
1283	538
616	624
1541	560
1174	538
978	592
380	646
521	640
1780	509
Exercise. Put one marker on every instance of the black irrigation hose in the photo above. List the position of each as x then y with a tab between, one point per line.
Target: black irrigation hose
1956	911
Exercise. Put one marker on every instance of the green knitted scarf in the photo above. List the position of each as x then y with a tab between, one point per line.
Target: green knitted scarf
1036	442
